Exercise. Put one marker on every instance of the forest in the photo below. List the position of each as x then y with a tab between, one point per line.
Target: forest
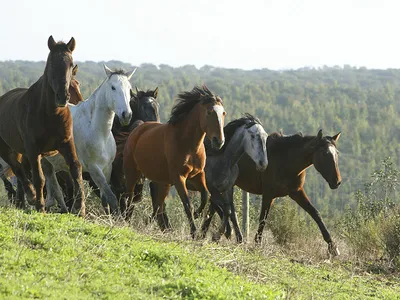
363	104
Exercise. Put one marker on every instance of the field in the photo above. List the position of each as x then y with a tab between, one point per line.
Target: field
57	256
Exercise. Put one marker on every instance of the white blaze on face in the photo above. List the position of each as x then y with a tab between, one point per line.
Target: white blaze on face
219	109
332	149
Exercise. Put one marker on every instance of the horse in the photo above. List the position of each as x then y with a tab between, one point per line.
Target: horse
171	153
289	157
243	135
144	107
5	170
37	122
95	144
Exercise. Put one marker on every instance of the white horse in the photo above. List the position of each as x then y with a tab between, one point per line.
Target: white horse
94	142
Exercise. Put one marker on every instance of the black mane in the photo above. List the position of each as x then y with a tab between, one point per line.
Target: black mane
230	129
117	72
187	100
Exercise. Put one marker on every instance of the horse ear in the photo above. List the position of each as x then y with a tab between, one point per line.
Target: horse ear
51	42
132	93
129	75
336	136
319	134
137	90
75	70
107	70
71	44
155	93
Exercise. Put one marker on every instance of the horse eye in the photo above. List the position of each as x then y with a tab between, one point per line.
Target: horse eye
113	88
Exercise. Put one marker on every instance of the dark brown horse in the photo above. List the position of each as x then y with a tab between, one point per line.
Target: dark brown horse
171	153
76	97
289	157
37	122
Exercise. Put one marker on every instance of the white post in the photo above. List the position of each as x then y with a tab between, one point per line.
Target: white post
245	214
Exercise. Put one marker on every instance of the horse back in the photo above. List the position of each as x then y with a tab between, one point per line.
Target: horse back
13	115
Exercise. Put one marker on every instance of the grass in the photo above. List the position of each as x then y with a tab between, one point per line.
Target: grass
64	257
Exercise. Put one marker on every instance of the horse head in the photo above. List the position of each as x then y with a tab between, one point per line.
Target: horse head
325	158
59	69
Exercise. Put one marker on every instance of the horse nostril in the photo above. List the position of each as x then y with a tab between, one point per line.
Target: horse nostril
339	183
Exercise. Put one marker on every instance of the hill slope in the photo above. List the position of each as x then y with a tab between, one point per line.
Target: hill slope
64	257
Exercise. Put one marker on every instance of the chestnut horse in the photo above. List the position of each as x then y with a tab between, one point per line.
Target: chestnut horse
289	157
37	122
171	153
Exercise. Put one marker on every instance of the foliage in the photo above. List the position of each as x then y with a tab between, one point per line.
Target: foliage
363	104
373	228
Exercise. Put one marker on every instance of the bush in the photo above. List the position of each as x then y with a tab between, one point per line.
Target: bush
373	228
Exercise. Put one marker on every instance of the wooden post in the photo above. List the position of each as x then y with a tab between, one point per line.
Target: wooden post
245	214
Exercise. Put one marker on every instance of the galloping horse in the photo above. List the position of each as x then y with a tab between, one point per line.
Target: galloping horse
38	122
5	170
244	135
145	108
95	144
174	152
289	157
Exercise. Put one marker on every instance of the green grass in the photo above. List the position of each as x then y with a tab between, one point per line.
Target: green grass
64	257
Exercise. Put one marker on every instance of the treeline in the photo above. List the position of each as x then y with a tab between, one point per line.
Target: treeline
363	104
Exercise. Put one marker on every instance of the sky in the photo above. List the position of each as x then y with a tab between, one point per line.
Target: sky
251	34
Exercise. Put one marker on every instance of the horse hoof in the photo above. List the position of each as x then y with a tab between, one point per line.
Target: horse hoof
333	249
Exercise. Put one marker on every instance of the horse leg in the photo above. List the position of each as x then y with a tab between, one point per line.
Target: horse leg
67	185
20	195
117	184
132	175
267	201
37	177
207	220
86	176
108	199
158	193
301	199
180	185
54	191
11	194
199	181
13	160
67	150
235	223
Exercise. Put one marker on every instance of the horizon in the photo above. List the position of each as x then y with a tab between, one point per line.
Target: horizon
273	35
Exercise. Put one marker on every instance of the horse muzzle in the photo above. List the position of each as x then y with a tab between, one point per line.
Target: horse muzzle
335	185
216	143
125	118
261	166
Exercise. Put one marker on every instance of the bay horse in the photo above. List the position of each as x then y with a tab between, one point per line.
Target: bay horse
171	153
37	122
243	135
289	157
5	170
95	144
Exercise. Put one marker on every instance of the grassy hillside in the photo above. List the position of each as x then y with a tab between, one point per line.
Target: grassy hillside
64	257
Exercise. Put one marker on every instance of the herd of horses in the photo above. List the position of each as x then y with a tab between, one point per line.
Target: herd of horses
114	139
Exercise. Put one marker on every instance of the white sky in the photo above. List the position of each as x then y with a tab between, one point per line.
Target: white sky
250	34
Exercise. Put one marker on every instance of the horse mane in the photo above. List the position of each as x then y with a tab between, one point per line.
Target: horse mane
117	72
230	129
122	136
278	142
187	100
141	94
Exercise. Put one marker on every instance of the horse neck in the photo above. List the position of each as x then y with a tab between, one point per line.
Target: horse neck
191	132
300	157
234	149
46	94
101	115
